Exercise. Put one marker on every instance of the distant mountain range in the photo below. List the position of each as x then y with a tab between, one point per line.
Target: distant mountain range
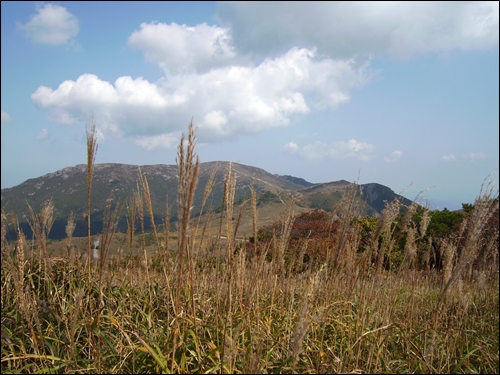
68	189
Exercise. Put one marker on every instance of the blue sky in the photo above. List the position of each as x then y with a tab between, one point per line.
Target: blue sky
406	94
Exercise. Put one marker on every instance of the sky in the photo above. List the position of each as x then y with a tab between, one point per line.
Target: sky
404	94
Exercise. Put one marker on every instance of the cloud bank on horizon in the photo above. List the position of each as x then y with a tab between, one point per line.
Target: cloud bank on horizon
235	79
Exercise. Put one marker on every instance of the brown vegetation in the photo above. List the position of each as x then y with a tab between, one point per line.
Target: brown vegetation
316	293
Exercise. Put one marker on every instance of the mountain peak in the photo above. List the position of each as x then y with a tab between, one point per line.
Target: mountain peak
68	189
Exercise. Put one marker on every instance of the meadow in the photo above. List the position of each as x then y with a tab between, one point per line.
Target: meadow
312	293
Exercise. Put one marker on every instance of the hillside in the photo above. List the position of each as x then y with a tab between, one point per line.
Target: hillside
68	190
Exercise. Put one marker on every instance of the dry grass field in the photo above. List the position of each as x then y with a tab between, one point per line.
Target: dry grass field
205	301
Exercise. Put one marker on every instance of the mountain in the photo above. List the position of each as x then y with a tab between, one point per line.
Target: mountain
298	181
68	190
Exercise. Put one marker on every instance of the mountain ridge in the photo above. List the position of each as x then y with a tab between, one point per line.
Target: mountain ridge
68	189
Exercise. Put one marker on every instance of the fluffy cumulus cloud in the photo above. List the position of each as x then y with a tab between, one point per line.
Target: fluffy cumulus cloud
52	24
346	29
224	101
6	117
351	149
265	64
394	156
183	49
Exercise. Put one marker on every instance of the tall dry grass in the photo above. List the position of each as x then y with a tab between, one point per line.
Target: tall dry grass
198	309
91	153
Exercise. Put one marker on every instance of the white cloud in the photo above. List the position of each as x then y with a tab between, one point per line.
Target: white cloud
43	134
183	49
394	156
480	19
351	149
361	29
61	116
52	25
292	147
6	117
224	101
156	142
450	157
215	120
474	156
